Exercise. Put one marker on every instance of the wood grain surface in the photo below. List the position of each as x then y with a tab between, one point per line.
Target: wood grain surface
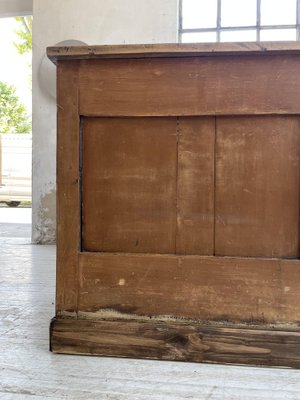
129	184
257	186
187	201
171	50
195	186
206	288
190	86
176	341
68	191
29	371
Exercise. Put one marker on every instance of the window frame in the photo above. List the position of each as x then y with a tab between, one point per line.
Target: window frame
257	27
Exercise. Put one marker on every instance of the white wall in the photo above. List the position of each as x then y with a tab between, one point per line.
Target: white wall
93	22
12	8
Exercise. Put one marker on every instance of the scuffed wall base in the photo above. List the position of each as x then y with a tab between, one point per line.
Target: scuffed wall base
44	218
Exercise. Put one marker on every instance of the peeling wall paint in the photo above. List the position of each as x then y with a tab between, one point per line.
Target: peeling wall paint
43	224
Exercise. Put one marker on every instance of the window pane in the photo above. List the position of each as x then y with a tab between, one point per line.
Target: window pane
277	34
199	14
238	36
238	13
278	12
199	37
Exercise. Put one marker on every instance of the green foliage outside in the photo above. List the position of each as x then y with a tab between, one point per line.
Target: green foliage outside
13	115
24	33
23	43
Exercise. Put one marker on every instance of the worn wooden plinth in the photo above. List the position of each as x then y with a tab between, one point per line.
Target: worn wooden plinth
178	341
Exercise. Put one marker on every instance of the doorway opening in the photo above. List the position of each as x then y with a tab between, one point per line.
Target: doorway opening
16	127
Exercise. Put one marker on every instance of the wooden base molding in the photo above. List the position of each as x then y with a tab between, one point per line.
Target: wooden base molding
176	341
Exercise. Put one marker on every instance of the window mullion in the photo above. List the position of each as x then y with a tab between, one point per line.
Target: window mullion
258	19
298	20
219	20
258	27
180	16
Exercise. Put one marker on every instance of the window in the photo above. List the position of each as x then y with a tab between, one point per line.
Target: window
239	21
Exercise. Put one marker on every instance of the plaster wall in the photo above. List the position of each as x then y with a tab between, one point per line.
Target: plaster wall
92	22
12	8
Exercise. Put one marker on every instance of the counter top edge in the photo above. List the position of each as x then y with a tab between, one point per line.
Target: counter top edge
57	53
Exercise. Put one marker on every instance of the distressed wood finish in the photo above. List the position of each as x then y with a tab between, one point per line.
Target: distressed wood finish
257	186
176	341
171	50
206	288
27	293
190	86
129	184
195	193
178	184
68	192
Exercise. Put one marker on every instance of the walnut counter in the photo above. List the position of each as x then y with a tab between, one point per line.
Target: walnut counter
178	202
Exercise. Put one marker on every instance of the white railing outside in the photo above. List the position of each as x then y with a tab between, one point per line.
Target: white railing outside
15	167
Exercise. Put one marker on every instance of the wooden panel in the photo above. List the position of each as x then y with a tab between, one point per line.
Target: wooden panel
195	203
205	288
190	86
257	186
68	193
129	184
176	341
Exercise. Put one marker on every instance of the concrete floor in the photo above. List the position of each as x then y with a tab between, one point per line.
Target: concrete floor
15	222
29	371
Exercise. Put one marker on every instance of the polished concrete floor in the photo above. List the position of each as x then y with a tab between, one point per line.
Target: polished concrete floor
29	371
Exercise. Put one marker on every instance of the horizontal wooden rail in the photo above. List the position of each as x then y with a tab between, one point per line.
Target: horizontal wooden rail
176	341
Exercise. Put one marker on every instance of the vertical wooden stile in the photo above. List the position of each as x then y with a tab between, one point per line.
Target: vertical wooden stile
68	188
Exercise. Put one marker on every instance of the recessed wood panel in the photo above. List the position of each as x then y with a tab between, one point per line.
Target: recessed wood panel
190	86
129	184
195	202
203	288
257	186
